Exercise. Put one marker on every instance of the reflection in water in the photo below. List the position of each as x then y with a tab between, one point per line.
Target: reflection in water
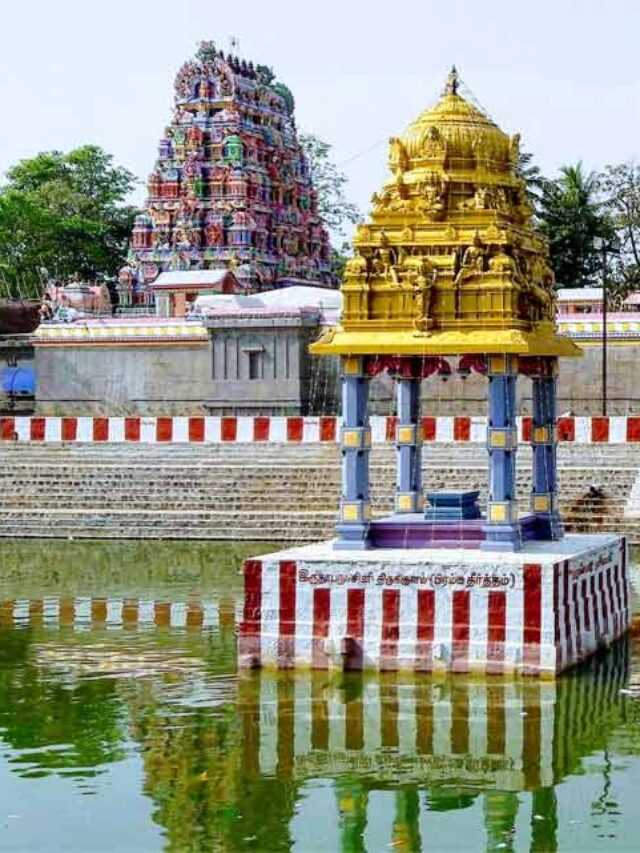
450	741
129	684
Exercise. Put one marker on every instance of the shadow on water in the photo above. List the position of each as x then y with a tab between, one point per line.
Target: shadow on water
117	670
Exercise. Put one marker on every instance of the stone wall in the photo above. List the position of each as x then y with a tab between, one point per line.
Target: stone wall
177	379
141	379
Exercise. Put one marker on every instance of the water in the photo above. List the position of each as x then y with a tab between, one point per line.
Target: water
123	725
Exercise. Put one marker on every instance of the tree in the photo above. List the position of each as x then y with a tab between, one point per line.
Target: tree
330	183
621	187
533	179
62	215
573	218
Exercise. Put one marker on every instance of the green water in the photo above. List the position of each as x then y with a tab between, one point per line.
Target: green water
124	726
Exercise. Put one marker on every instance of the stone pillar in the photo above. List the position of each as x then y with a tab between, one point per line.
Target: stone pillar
409	442
544	492
502	529
355	440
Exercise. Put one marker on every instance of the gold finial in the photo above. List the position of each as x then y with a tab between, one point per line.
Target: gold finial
451	86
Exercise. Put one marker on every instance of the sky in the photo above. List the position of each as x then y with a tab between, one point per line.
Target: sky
564	74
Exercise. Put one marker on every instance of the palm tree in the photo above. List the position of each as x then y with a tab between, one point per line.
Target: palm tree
575	221
532	177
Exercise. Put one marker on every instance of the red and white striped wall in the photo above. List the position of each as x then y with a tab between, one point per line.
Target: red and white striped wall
534	612
293	430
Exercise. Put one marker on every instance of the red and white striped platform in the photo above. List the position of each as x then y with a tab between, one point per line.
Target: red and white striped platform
293	430
535	612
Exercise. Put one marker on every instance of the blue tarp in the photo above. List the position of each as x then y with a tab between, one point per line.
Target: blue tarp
18	380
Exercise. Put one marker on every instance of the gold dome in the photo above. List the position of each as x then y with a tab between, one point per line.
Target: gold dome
463	134
457	136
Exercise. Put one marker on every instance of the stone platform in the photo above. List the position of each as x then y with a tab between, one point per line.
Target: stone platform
412	530
534	612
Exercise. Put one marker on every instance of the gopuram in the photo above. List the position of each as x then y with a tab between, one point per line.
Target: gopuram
449	275
231	187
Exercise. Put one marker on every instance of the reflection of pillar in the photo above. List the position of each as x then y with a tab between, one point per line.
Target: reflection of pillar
355	506
406	826
544	492
249	710
6	614
500	813
544	820
503	529
352	804
408	442
227	615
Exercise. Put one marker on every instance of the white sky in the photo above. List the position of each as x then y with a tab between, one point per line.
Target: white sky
563	73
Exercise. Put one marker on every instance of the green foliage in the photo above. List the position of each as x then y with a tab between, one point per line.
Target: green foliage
339	257
575	221
330	184
621	187
63	215
533	179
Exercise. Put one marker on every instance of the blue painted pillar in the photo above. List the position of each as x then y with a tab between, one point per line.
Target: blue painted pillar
355	439
409	442
544	491
502	529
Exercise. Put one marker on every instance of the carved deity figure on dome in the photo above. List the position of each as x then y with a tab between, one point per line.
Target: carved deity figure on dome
398	160
431	200
514	149
432	144
503	264
356	267
472	260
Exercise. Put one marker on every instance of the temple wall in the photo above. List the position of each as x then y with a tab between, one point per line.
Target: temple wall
178	380
150	380
122	379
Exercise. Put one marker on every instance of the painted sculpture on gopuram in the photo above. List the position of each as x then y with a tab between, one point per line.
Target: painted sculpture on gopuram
231	187
450	275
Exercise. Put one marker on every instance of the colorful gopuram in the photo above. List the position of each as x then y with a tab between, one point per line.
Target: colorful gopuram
231	186
449	276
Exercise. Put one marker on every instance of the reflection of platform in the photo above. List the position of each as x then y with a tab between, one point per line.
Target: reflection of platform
82	612
507	735
412	530
536	611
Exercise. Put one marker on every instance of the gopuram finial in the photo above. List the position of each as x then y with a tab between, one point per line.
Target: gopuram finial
451	86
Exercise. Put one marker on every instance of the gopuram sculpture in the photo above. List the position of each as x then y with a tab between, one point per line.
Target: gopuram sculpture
231	185
448	273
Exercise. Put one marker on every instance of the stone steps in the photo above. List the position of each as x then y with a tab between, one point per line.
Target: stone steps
282	493
78	453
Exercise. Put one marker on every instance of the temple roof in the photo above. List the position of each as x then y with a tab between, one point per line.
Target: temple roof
449	261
